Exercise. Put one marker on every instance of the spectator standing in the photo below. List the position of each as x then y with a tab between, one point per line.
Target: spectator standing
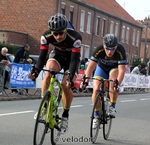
82	64
144	71
127	67
21	57
3	59
21	54
136	70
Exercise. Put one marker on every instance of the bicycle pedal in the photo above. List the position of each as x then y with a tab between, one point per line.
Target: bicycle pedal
57	127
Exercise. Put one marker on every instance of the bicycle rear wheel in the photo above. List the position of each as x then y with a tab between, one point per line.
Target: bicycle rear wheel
41	128
95	130
58	110
107	119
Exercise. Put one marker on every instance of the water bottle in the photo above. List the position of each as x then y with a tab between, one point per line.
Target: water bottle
52	54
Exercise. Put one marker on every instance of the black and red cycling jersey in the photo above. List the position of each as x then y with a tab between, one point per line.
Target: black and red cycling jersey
69	48
105	62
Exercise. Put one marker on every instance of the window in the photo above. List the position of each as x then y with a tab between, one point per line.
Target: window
85	51
103	26
133	38
3	38
71	14
63	8
116	29
88	23
137	38
123	34
127	35
98	26
82	21
112	27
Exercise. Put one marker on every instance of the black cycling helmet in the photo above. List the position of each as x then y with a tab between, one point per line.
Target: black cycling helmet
110	41
58	22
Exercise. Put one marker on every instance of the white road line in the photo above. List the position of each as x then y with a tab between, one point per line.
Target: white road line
128	101
76	106
145	99
14	113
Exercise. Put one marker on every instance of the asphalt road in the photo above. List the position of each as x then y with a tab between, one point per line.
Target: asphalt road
131	126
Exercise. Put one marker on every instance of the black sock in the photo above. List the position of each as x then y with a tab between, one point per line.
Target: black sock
65	113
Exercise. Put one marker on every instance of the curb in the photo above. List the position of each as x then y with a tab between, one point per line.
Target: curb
30	96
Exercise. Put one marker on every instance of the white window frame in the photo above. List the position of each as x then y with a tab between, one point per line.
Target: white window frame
82	19
88	28
111	27
133	37
127	35
123	34
98	25
138	38
116	29
103	26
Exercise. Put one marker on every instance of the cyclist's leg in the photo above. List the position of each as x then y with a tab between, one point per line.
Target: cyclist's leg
112	93
99	73
67	97
51	64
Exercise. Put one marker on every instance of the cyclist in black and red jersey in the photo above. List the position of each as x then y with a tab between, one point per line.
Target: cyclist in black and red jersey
109	59
65	55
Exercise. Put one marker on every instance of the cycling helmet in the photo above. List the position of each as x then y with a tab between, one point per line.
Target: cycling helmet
110	41
58	22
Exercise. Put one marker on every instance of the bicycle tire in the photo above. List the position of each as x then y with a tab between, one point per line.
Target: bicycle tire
107	118
55	132
94	131
41	128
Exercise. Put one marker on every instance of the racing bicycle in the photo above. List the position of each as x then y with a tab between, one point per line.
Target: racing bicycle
102	102
48	118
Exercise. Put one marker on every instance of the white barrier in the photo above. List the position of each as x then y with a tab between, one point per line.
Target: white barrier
129	81
136	81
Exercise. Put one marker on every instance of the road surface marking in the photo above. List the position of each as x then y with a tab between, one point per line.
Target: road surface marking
14	113
128	101
145	99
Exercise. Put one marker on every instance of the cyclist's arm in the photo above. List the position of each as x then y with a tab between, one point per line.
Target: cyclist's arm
90	68
42	59
75	59
121	73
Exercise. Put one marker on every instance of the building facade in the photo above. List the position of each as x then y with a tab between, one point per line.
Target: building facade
92	19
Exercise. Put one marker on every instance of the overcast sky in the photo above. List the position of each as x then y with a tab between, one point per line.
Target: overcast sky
138	9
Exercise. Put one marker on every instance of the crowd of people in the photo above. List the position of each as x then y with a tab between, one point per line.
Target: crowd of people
139	70
21	56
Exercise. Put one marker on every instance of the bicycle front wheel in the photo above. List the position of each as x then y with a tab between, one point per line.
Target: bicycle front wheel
95	122
41	128
107	119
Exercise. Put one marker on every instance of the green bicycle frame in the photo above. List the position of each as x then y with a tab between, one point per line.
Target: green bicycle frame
50	119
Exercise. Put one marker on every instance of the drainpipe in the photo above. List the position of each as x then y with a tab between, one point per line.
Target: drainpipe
93	33
58	6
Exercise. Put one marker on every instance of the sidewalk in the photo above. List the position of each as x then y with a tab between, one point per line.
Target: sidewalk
32	94
35	94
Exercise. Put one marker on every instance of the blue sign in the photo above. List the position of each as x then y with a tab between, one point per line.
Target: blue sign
19	76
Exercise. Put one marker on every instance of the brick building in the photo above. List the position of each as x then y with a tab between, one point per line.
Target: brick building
24	21
145	43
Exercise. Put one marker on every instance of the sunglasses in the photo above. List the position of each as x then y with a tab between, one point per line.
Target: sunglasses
59	32
110	48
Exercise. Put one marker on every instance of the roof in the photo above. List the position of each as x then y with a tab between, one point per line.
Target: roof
112	7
